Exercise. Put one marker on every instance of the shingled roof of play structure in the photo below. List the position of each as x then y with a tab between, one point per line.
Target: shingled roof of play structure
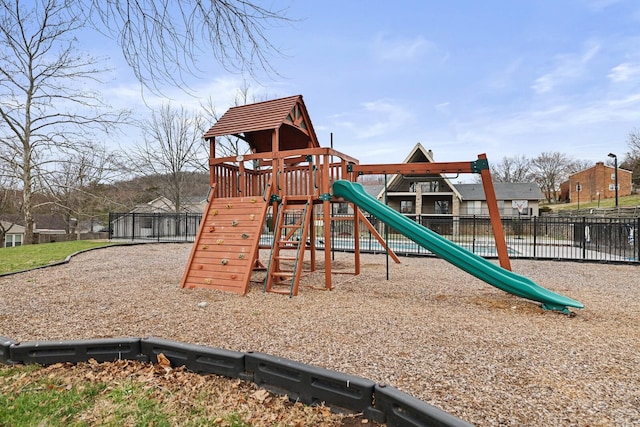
256	123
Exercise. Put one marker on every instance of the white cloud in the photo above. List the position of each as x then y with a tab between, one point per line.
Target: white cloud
599	5
624	72
568	67
400	50
386	118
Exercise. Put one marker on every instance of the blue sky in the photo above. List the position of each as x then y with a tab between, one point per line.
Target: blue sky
461	77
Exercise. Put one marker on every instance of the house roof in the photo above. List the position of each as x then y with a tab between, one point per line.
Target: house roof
163	204
418	154
255	123
504	191
42	222
12	228
568	181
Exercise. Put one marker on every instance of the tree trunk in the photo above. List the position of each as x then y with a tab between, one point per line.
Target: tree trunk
27	195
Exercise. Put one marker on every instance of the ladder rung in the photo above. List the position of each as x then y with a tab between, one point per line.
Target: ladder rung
280	291
282	274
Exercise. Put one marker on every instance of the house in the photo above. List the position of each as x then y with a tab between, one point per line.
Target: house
164	205
436	195
14	234
158	218
42	224
595	183
434	201
519	199
428	195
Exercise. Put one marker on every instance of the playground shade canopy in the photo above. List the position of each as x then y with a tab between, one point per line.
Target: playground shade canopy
256	124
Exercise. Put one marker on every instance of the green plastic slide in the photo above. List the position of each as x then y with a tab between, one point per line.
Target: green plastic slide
473	264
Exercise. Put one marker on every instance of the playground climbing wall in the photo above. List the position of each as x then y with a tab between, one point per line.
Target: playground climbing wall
225	249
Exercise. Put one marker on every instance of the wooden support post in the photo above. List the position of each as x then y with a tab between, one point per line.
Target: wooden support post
356	238
494	214
241	180
326	219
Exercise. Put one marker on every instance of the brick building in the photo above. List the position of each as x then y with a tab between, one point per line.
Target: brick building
596	181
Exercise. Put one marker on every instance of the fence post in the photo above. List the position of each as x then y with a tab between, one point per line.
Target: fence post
186	226
133	226
635	239
584	237
109	227
473	237
535	235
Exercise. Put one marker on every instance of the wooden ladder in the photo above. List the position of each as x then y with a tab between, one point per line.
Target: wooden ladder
284	278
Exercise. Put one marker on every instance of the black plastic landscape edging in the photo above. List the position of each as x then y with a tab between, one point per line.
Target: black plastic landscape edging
5	348
305	383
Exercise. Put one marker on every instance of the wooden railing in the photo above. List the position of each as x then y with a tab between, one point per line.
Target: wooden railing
308	172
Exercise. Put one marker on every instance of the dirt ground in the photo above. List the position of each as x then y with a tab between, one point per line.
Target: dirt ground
431	330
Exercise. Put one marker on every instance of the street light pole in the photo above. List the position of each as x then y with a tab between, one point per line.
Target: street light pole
615	165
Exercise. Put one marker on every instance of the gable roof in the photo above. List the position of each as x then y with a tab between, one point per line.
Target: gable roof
504	191
255	124
41	222
600	164
163	204
418	154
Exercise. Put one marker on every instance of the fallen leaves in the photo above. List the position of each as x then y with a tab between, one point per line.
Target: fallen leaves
182	393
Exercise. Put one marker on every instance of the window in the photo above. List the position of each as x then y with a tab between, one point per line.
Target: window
431	187
12	240
612	187
442	207
406	206
474	207
613	176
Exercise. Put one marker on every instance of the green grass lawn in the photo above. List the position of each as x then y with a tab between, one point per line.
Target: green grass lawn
633	200
31	256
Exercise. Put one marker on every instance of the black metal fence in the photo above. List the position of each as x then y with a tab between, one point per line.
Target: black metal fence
160	227
562	238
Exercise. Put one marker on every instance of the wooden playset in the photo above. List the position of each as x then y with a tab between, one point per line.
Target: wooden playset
289	172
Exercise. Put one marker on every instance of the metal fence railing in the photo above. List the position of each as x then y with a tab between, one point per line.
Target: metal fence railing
563	238
160	227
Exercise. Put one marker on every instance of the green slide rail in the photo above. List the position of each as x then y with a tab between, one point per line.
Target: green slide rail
473	264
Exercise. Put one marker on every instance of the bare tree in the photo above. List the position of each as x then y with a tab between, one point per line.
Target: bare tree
549	170
578	165
228	145
172	150
45	86
512	169
78	187
162	40
632	158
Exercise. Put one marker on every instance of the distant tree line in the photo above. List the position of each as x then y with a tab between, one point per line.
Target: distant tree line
547	169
